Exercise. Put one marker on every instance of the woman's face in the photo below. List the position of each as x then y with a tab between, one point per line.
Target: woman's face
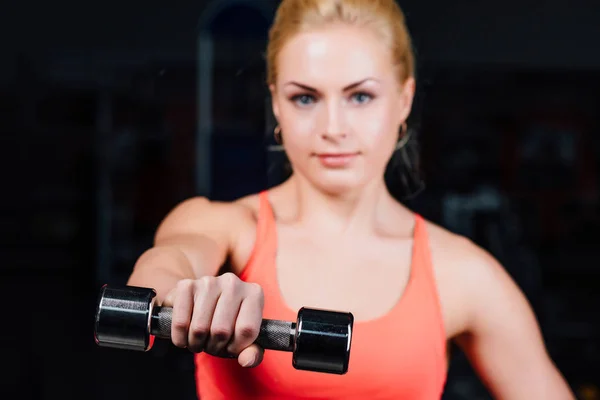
340	106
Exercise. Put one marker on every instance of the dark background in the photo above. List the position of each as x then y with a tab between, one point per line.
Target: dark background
110	117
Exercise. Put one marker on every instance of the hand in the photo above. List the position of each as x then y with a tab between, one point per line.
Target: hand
217	315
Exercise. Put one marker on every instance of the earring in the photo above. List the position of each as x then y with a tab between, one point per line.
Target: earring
404	136
277	134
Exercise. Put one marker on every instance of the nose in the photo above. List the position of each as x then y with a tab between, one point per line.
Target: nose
334	128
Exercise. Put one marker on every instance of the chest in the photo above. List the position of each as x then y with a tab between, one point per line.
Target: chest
366	277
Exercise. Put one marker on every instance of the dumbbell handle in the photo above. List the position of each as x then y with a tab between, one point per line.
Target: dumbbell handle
273	335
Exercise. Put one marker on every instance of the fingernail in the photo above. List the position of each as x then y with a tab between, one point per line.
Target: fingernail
250	362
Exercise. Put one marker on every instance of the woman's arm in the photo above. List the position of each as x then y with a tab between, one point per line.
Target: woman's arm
193	240
502	338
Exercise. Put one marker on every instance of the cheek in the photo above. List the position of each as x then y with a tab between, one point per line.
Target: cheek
297	127
376	129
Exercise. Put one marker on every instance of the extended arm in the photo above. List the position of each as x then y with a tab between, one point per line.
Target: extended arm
192	241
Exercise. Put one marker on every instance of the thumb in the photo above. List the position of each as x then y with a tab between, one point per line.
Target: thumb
169	299
251	356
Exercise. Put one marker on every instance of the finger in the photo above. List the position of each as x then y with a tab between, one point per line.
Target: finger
206	297
251	356
247	325
223	321
182	311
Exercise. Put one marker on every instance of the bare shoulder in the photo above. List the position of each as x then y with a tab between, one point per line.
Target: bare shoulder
466	275
458	253
199	215
230	225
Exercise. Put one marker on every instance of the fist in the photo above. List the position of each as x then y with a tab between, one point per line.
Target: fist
218	315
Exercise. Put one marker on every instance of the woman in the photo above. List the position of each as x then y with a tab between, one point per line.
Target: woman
331	236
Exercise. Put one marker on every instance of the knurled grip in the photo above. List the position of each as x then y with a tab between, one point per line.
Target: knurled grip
161	322
276	335
273	335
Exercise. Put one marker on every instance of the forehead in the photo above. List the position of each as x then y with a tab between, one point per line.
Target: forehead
334	55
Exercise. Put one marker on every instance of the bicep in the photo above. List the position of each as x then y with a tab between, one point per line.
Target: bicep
503	339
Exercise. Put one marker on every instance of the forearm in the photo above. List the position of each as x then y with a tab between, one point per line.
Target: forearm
161	268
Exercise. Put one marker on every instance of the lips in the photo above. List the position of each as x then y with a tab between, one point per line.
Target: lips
336	160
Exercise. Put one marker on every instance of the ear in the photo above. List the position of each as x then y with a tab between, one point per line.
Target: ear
407	95
274	101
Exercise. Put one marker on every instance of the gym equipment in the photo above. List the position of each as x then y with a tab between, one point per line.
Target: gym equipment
320	340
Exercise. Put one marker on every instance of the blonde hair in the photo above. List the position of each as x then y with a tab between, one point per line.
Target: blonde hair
384	17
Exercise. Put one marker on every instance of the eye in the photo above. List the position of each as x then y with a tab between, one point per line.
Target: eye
361	97
303	100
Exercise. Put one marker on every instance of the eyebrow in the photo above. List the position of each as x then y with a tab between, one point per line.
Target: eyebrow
349	87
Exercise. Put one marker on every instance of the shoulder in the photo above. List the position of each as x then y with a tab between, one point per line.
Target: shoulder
202	215
232	225
472	278
458	253
226	222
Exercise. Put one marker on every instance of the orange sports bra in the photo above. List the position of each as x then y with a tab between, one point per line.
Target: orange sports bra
399	356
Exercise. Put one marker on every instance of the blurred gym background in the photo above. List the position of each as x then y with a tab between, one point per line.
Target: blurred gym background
111	113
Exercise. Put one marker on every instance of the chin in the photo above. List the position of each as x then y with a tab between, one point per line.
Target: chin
338	182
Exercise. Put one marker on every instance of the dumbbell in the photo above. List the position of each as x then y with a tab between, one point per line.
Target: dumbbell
320	340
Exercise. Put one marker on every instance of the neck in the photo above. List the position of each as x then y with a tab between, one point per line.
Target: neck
339	212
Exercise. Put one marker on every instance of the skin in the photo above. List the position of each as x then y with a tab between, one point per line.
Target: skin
337	91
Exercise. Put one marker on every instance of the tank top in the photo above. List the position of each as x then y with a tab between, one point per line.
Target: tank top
401	355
